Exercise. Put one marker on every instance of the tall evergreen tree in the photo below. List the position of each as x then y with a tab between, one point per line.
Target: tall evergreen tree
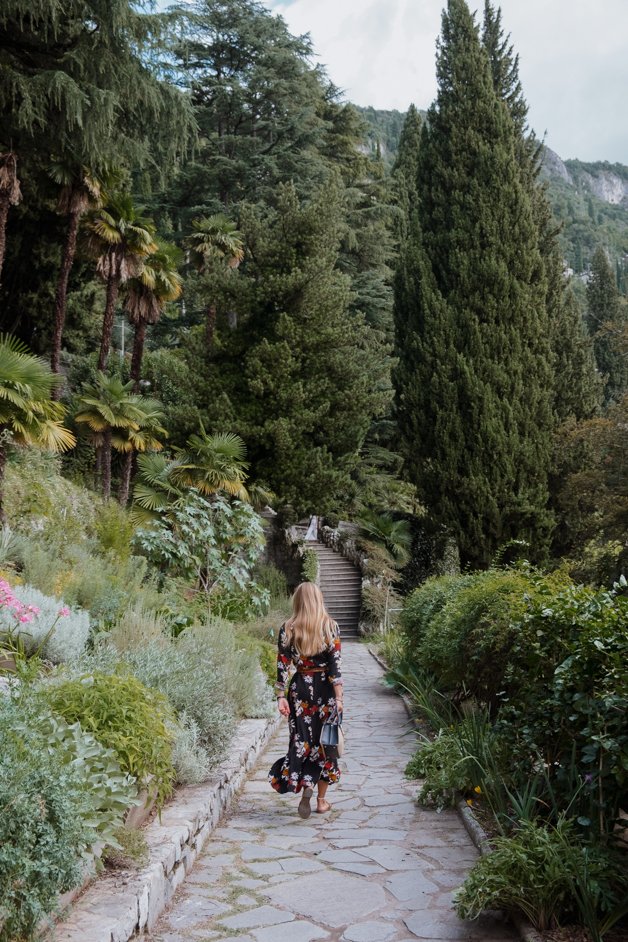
607	320
474	381
571	354
302	376
578	386
405	171
82	84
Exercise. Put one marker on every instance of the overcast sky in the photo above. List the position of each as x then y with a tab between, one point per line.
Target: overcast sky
573	61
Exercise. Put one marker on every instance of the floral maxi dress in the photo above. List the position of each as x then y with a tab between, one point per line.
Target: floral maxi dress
311	698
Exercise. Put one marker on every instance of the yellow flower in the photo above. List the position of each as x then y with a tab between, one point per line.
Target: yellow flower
469	801
477	790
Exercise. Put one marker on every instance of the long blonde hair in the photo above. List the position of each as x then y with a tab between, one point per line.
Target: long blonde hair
311	629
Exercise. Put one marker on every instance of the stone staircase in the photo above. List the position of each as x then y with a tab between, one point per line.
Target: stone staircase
341	584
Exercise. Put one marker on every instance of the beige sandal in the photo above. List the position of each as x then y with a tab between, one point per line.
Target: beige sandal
304	805
323	810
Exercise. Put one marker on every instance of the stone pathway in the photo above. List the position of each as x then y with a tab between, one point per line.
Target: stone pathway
376	869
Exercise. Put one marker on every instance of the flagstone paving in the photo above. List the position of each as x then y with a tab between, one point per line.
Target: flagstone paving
377	868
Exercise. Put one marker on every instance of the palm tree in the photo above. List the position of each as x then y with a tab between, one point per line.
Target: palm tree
121	240
211	463
80	189
130	441
28	416
109	407
215	240
10	195
154	492
147	295
393	538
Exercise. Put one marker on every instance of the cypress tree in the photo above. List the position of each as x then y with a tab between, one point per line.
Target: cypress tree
578	389
571	355
405	170
472	289
607	320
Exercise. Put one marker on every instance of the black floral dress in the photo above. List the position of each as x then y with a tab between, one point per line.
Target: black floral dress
311	698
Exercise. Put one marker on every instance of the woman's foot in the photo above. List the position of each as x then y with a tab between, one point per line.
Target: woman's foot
322	806
304	805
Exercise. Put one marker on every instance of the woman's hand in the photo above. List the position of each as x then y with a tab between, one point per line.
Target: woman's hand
283	706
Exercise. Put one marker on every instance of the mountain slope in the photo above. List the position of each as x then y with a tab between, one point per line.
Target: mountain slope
589	199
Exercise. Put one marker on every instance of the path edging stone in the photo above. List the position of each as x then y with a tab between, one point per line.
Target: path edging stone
474	829
119	906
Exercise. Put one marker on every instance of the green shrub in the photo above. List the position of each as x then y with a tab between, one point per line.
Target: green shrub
394	648
45	825
189	756
537	873
188	671
424	604
569	699
309	565
455	763
123	715
39	500
269	577
464	629
114	530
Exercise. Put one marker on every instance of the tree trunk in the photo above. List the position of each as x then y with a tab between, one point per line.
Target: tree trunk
210	327
125	484
69	251
113	286
3	461
4	212
106	465
138	353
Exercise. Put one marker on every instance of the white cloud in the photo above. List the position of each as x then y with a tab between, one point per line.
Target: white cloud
574	60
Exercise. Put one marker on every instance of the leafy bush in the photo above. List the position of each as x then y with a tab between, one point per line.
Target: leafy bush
216	542
123	715
569	700
537	872
39	500
45	825
267	576
109	792
114	530
190	675
455	762
189	756
424	604
465	629
42	624
309	565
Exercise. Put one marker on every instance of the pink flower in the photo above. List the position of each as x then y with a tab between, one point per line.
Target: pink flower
33	609
63	612
24	618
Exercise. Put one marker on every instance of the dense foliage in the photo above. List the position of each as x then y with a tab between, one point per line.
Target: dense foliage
523	679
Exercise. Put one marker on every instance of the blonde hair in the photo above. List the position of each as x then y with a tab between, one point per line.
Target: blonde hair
310	629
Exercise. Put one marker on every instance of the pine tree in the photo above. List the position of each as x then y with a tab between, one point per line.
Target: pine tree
301	377
607	320
474	382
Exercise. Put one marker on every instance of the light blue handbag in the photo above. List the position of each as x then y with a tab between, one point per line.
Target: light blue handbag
332	736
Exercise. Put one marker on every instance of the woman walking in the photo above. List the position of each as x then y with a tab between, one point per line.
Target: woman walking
310	641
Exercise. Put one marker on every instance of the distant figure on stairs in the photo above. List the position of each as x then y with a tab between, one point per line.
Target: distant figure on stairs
312	530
